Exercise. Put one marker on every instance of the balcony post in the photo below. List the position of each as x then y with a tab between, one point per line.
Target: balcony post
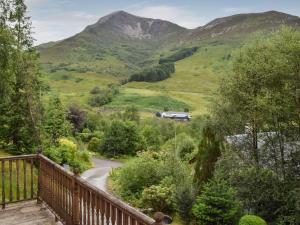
39	189
161	219
75	202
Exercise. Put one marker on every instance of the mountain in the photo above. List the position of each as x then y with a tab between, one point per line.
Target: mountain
244	24
136	42
119	36
120	44
124	25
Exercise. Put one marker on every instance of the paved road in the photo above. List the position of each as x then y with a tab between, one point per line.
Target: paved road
98	175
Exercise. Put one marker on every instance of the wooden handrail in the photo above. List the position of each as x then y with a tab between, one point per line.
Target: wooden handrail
72	200
80	203
131	211
17	185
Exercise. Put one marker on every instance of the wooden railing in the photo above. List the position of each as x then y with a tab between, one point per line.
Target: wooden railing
18	180
72	200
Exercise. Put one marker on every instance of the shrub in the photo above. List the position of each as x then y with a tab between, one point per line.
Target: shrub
101	97
252	220
216	205
135	176
67	153
122	138
185	145
94	144
160	197
95	90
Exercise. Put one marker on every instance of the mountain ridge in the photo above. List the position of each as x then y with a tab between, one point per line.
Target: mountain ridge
136	41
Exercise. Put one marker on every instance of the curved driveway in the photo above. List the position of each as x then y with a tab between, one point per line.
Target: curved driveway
98	175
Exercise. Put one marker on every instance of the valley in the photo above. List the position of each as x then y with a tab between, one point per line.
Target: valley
118	45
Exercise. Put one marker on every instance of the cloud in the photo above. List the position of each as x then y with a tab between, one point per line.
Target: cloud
32	3
178	15
61	25
236	10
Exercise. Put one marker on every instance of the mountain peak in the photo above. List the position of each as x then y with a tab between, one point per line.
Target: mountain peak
115	14
123	23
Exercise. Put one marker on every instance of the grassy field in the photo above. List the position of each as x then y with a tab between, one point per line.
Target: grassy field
192	86
14	181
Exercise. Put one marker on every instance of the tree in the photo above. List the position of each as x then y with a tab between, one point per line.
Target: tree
185	195
260	191
260	95
20	78
55	124
122	138
209	151
76	117
216	205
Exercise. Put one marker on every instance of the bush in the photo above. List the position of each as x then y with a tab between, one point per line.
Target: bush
135	176
122	138
216	205
160	197
95	90
101	97
67	153
252	220
94	144
185	146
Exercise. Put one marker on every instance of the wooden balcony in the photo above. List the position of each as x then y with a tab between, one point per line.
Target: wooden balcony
70	199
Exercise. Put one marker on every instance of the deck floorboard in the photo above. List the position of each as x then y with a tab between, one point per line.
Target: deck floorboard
27	213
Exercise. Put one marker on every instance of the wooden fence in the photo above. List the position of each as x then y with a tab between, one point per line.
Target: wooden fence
71	199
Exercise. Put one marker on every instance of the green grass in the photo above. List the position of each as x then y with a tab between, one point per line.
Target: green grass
147	103
192	86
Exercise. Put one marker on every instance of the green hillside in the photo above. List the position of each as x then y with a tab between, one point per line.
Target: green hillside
105	53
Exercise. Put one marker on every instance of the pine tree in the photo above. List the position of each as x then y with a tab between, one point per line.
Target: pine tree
209	151
55	123
217	205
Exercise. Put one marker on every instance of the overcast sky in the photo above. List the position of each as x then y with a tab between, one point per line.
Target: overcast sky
58	19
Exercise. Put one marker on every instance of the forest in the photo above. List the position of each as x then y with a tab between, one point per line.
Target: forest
156	73
237	164
182	54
